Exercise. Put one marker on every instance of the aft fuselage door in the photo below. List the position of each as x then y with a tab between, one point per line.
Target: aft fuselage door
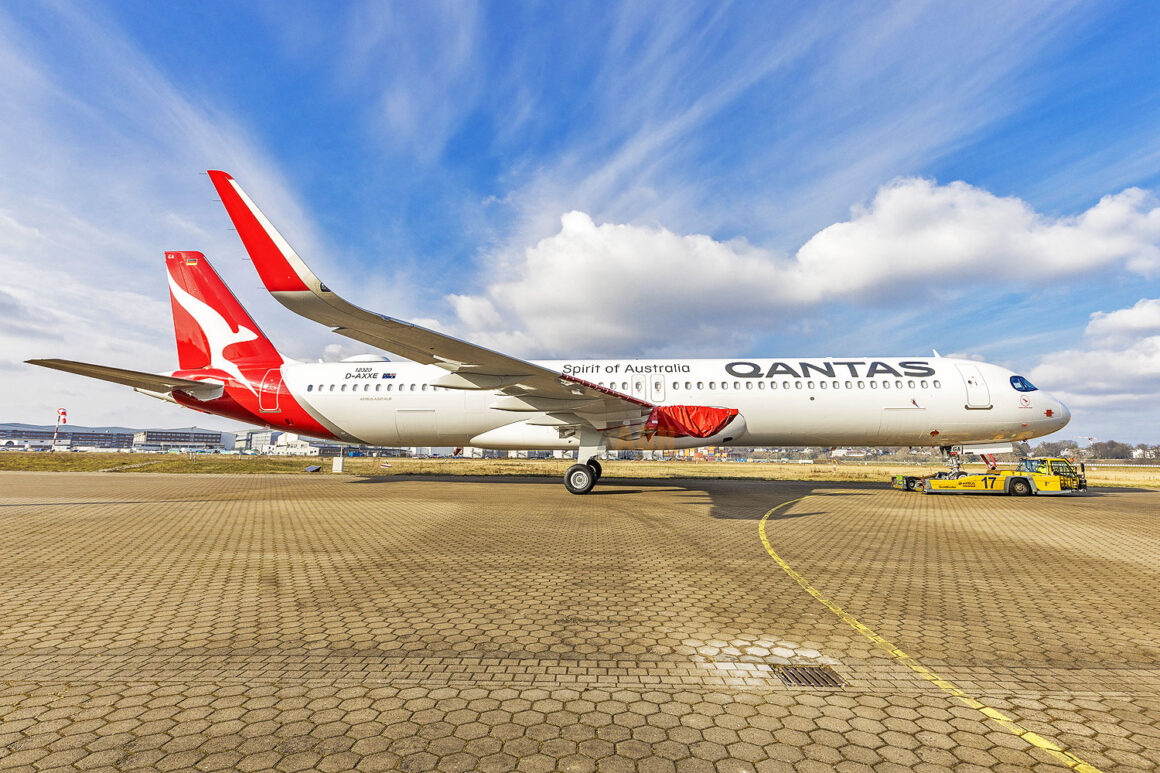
978	395
268	395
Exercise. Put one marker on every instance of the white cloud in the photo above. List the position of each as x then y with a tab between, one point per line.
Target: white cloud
915	230
613	289
1117	365
1123	326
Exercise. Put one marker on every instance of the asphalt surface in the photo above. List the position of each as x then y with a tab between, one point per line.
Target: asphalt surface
333	623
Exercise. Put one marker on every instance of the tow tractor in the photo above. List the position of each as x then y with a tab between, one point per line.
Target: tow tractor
1041	475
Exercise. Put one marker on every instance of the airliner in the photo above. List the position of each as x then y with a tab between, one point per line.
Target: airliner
451	392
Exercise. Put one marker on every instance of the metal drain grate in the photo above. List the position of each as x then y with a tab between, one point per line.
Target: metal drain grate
808	676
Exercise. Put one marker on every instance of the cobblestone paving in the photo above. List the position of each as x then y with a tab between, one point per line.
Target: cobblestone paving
330	623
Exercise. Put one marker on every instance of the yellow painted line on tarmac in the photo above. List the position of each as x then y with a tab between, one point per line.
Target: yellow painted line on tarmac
1004	721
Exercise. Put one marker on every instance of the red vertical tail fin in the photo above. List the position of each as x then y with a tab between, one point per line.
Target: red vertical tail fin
212	328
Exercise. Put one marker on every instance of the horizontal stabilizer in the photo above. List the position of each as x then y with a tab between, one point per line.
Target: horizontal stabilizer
151	382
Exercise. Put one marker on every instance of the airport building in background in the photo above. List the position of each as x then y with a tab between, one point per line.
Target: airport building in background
24	437
191	439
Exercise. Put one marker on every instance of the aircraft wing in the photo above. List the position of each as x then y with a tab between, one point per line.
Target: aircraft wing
527	387
146	382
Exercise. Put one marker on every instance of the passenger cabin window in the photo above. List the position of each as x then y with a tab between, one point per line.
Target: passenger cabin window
310	387
910	384
712	384
822	384
937	384
873	384
924	383
797	385
343	388
1022	385
849	385
749	385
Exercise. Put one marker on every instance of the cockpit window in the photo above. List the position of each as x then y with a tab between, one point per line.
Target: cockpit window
1022	385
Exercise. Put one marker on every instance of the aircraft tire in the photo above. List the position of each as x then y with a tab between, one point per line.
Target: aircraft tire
1019	488
579	479
595	465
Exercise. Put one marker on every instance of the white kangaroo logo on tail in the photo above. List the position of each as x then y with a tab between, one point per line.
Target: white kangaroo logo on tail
218	334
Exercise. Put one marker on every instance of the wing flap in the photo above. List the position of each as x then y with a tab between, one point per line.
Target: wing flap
150	382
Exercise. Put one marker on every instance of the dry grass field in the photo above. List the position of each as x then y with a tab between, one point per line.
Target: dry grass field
229	464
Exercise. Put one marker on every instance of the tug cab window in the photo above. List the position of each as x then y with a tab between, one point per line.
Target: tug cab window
1033	466
1022	385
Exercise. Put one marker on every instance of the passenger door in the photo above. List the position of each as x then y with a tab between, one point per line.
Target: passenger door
656	392
978	395
638	387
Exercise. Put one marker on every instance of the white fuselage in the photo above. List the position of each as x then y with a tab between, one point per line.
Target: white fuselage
786	402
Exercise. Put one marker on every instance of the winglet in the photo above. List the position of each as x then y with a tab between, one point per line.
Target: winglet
279	266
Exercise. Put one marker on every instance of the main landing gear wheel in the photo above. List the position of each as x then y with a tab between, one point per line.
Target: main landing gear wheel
579	479
595	465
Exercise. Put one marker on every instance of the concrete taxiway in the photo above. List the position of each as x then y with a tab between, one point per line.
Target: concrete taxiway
337	623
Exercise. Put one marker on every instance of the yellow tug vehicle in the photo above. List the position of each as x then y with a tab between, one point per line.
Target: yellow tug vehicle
1049	475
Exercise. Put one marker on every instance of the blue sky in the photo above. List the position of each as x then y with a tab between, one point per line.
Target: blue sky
596	179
